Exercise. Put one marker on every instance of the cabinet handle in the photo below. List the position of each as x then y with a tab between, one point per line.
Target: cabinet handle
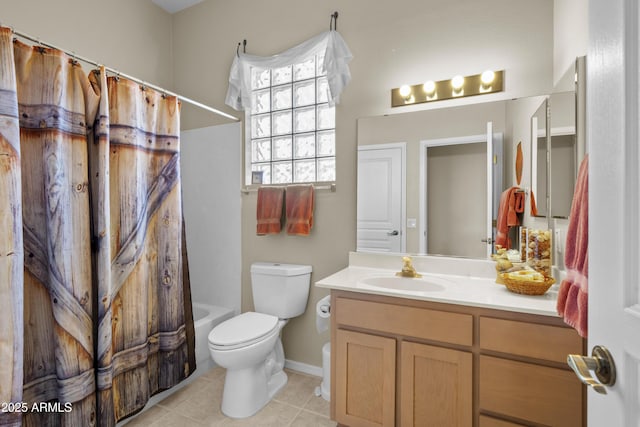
601	362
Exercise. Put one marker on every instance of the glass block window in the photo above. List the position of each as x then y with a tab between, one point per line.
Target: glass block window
291	135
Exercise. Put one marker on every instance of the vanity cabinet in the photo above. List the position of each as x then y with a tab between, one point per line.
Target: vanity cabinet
387	371
404	362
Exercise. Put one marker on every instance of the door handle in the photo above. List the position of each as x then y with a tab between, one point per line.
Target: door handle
488	240
392	233
601	362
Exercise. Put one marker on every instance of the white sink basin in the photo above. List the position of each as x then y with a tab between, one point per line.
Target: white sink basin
403	283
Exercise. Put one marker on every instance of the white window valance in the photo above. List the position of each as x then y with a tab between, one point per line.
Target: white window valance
336	64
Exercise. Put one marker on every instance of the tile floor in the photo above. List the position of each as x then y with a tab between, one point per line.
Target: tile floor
198	404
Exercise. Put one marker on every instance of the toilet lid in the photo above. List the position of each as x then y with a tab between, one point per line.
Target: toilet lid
243	329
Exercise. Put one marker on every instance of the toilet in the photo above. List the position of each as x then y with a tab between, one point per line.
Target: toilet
249	345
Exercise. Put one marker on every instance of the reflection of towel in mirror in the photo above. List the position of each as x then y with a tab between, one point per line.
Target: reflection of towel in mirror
269	210
511	204
299	208
572	297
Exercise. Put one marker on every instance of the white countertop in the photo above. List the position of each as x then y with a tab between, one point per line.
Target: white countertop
461	289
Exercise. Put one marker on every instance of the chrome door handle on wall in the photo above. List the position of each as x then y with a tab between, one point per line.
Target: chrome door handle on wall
393	233
600	362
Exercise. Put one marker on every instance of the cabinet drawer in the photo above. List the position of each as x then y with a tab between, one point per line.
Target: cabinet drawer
529	339
416	322
540	394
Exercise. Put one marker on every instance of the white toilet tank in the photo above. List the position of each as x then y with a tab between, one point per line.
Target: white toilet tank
281	290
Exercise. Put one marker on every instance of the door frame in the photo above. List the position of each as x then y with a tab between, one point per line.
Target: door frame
403	183
496	149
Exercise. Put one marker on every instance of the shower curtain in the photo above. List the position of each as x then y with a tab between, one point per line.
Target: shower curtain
11	259
106	311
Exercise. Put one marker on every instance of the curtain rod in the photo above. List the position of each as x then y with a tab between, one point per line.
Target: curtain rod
118	73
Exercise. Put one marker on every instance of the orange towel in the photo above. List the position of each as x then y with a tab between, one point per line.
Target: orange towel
518	208
511	203
299	208
573	298
269	210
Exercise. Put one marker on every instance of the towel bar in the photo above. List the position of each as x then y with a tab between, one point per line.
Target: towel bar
332	187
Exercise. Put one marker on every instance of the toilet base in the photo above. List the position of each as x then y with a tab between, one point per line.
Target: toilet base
277	383
246	391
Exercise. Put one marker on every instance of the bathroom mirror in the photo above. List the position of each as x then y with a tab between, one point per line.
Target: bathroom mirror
443	202
394	147
559	145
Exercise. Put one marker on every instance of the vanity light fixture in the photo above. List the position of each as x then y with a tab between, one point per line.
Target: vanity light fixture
487	78
429	89
405	93
459	86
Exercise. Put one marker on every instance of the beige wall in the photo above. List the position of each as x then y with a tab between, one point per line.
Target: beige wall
571	34
393	42
134	37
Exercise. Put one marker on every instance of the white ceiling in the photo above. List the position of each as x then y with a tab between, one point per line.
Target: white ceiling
173	6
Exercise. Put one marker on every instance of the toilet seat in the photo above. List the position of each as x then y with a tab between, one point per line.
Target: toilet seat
243	330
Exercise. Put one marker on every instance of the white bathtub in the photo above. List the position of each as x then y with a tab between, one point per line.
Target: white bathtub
205	317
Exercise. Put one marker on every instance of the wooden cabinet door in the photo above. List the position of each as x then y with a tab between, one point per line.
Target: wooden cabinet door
365	379
436	386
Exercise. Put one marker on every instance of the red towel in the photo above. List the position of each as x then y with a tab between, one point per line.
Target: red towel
269	210
572	297
299	208
511	204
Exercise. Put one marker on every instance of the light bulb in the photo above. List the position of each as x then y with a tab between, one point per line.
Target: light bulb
457	82
405	90
487	77
429	87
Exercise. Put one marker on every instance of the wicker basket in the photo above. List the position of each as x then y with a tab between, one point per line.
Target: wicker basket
527	287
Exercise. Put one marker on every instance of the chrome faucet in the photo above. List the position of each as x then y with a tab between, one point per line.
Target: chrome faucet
407	268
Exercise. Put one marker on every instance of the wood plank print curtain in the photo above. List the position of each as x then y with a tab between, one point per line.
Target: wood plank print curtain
142	346
55	103
11	256
106	312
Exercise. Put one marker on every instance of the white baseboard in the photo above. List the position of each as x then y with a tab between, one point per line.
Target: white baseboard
303	367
